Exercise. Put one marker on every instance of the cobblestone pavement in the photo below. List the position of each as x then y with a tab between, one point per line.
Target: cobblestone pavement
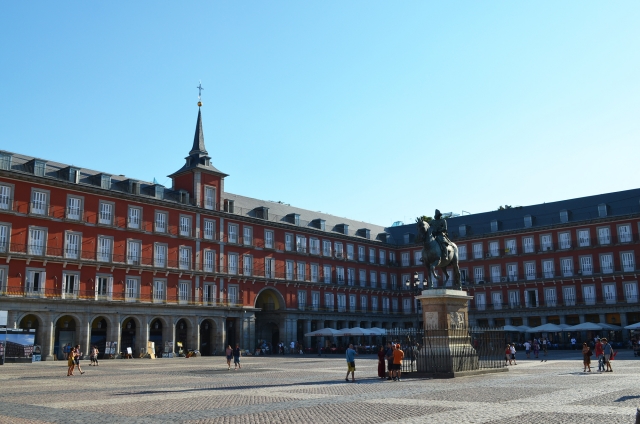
311	389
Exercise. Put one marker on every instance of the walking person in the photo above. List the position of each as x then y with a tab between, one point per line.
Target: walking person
351	363
389	354
536	348
398	356
236	358
71	363
382	356
600	355
507	355
545	346
94	356
608	354
586	357
527	348
229	354
77	356
513	353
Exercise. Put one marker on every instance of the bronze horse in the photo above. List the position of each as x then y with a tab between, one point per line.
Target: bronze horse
433	258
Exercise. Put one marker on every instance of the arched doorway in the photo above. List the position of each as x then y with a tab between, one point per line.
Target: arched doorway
65	334
128	336
155	336
269	320
32	322
98	335
182	329
208	338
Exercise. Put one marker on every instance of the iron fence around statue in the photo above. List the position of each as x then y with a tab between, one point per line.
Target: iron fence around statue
447	351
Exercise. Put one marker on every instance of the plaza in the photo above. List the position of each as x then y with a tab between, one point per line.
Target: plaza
312	389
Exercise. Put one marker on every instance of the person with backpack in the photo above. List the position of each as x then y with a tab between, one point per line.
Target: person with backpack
608	354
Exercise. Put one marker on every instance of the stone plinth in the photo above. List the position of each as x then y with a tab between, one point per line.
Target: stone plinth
443	308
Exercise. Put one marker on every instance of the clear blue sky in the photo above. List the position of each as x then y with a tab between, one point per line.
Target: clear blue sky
372	110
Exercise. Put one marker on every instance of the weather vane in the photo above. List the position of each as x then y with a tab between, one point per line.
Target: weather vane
199	87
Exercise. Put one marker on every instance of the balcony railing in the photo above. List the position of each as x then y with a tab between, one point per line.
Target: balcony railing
555	303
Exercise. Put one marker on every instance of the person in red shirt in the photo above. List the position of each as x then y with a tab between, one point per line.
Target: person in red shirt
398	355
600	356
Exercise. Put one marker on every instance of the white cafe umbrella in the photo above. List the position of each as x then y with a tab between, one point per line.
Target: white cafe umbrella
585	326
324	332
357	331
635	326
524	328
512	329
610	327
546	328
378	331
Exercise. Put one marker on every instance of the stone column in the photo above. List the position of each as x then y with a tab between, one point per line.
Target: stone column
320	326
221	336
563	319
307	329
173	336
144	334
84	333
244	337
48	332
195	334
603	318
117	335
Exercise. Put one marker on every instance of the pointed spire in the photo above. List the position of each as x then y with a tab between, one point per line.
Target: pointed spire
198	138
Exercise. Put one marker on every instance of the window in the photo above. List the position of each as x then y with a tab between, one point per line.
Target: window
462	252
106	213
183	291
39	202
631	292
315	300
328	301
567	267
326	248
209	198
383	257
564	216
302	299
39	168
340	274
385	305
624	233
301	273
373	277
405	258
69	285
547	269
374	304
105	249
481	301
209	260
72	246
394	305
496	300
209	292
363	303
550	297
528	221
462	230
464	276
134	217
74	207
342	302
530	270
545	242
247	236
494	249
158	290
531	298
589	294
160	255
628	262
361	253
185	226
417	257
602	210
383	280
161	222
185	257
314	246
232	295
232	236
104	287
394	281
586	266
514	299
477	251
351	276
35	281
350	252
5	231
606	263
209	230
339	250
352	303
584	239
314	273
105	181
247	265
268	239
569	296
478	274
270	268
133	252
5	197
131	290
37	241
363	277
326	271
494	226
289	270
609	293
301	244
288	242
5	161
392	258
372	255
510	247
232	263
527	244
495	273
565	241
604	235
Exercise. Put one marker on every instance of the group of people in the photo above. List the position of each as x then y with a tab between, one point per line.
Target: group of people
392	356
604	354
536	346
73	360
234	354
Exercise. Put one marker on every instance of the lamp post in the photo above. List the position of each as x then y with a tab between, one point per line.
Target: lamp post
415	287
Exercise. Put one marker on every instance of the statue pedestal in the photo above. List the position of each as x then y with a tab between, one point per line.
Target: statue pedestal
446	349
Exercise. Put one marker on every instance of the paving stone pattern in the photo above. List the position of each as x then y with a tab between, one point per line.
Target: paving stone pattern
294	389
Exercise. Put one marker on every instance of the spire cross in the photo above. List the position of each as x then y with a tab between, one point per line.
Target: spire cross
199	87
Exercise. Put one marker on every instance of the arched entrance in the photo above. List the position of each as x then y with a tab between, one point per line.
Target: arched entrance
182	329
65	334
207	338
155	336
32	322
128	335
269	319
98	335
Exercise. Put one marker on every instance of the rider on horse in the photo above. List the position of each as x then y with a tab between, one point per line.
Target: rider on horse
439	231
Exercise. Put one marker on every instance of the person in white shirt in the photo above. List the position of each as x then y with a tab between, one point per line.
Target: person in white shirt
513	354
527	348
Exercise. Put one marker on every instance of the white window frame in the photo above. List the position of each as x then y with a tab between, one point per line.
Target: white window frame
160	255
315	272
184	291
547	268
527	244
104	249
627	259
232	263
288	242
569	295
609	293
75	208
550	298
462	252
301	244
132	289
185	226
510	247
604	236
30	279
247	265
232	233
268	239
405	258
106	213
270	267
103	281
584	237
326	248
209	229
631	292
209	260
159	293
247	235
134	217
624	233
209	294
6	196
73	279
302	300
606	263
589	294
564	239
37	244
326	273
530	270
73	245
382	255
586	265
5	237
289	270
160	222
477	250
209	197
361	254
494	248
134	252
39	202
481	301
314	246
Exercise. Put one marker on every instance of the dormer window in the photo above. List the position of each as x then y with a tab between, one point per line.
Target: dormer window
262	212
5	161
528	221
228	205
602	210
494	225
105	181
184	196
462	230
296	219
158	191
39	168
564	215
322	224
134	187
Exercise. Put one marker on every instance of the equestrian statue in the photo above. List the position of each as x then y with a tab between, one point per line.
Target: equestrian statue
437	250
